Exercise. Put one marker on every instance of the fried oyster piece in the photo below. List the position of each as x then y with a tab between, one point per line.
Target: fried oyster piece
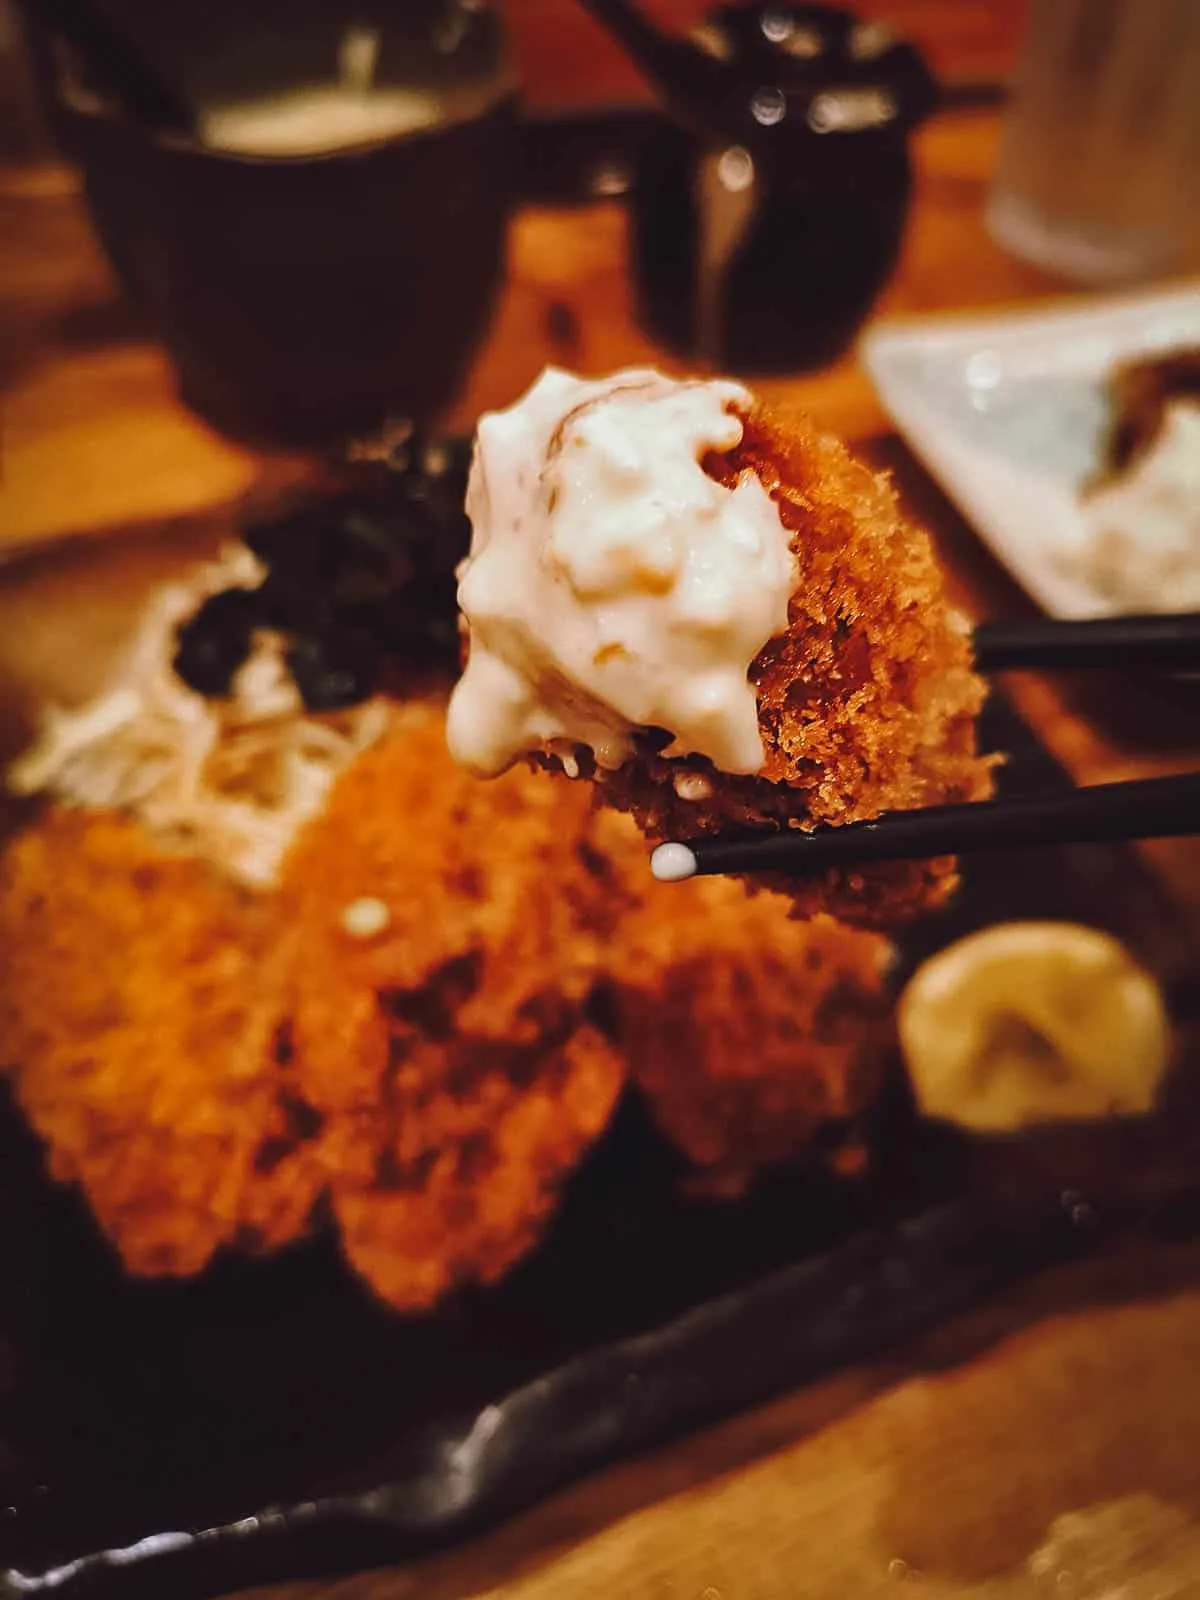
749	1033
867	703
138	1025
439	985
722	619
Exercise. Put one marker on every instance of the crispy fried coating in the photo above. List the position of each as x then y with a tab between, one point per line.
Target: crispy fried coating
867	703
476	1142
483	933
404	1031
746	1030
745	1051
138	1032
448	1049
206	1064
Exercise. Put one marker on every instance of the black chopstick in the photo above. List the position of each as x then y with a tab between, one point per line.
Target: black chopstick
1167	642
1150	808
1147	808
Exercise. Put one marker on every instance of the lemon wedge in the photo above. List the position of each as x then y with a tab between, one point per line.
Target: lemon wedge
1029	1022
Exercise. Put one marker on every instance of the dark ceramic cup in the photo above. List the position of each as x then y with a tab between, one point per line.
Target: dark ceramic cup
304	297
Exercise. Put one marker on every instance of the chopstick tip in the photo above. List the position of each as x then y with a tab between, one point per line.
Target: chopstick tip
672	863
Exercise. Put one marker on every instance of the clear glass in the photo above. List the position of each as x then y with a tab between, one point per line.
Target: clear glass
1099	170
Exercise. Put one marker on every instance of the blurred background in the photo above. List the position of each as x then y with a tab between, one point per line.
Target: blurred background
242	241
188	295
566	59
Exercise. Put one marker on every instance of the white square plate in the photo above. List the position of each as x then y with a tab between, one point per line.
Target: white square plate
1008	411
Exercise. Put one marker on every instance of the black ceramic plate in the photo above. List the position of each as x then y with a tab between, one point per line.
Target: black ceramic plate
271	1420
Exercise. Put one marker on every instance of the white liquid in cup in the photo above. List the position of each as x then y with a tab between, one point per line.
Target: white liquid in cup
352	108
318	118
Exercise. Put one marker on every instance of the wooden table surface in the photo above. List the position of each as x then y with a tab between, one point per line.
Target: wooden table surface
1047	1445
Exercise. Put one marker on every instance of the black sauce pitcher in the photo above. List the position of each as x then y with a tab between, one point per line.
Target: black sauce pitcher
769	210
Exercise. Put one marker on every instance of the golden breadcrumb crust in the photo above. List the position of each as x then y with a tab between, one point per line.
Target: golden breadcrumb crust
139	1032
868	703
450	1052
746	1030
215	1068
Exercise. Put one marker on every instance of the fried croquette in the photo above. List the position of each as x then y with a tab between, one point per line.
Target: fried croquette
867	703
746	1031
138	1034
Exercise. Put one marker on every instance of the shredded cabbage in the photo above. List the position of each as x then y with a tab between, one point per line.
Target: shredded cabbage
230	780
